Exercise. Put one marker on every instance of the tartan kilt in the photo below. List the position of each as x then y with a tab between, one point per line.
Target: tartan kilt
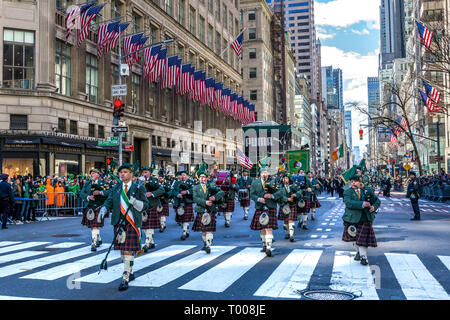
188	215
245	203
314	204
153	221
273	223
365	235
93	223
132	241
199	227
165	211
230	206
291	216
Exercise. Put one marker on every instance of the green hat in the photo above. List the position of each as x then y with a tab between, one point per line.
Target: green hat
145	168
181	171
128	166
94	170
356	177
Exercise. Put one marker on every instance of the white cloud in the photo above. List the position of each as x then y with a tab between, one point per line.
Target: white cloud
362	32
344	13
324	36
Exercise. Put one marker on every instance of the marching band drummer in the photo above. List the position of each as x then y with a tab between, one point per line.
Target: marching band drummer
287	211
244	183
265	217
312	186
205	195
230	196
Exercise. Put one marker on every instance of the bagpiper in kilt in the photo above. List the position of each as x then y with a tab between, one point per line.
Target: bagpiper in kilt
94	194
287	211
150	217
244	184
126	200
165	198
361	205
205	196
265	218
312	187
182	194
229	196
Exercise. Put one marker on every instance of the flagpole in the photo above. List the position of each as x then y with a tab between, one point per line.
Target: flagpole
226	48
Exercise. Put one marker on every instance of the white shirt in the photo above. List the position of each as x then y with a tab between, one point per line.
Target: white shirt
128	185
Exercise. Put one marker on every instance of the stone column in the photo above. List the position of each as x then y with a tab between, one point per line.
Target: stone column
51	163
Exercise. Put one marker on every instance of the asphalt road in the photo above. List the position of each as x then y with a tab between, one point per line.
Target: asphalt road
412	260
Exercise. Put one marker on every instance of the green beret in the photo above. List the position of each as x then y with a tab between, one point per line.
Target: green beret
94	170
181	172
126	166
356	177
145	168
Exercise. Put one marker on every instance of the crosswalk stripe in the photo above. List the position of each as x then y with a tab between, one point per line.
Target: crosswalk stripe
445	260
170	272
349	275
39	262
20	255
291	276
21	246
115	272
8	243
416	281
19	298
70	268
65	245
220	277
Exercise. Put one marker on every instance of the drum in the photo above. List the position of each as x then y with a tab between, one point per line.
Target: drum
223	181
243	194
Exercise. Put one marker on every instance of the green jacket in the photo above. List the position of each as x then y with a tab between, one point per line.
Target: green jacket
200	197
244	183
113	202
292	189
354	211
257	191
154	200
176	189
89	187
312	184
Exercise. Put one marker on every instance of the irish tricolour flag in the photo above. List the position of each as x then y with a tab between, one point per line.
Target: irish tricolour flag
338	152
124	204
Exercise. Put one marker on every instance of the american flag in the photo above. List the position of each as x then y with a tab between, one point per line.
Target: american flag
150	56
240	108
105	33
237	45
184	81
129	45
433	93
85	20
198	85
252	113
246	112
160	65
403	123
243	159
431	106
394	141
73	18
112	43
170	74
210	88
226	101
425	34
233	102
139	46
217	95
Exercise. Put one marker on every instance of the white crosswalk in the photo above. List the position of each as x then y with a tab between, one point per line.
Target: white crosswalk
225	266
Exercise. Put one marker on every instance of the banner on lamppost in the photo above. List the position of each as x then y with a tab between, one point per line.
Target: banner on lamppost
297	159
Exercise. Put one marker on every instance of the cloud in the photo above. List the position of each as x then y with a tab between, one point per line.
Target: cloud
324	36
363	32
344	13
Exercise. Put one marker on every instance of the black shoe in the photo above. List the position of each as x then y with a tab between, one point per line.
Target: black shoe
304	227
132	277
357	257
183	237
313	218
152	245
263	249
291	239
4	227
145	248
204	246
269	252
98	243
299	226
124	285
364	261
415	219
187	235
93	248
227	225
286	236
208	249
162	229
245	218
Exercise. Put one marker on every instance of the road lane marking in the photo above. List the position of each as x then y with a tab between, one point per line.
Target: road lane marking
8	243
22	246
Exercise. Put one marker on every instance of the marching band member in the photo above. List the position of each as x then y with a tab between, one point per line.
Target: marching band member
361	205
205	195
230	195
265	217
287	212
165	198
182	193
127	201
312	189
245	183
150	217
94	194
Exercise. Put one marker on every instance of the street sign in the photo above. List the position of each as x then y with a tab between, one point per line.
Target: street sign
112	139
406	166
129	148
108	143
119	90
119	129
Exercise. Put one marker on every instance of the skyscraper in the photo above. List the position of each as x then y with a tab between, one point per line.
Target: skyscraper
332	88
392	35
339	87
348	128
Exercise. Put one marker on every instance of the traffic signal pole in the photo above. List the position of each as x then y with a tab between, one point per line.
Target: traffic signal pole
120	97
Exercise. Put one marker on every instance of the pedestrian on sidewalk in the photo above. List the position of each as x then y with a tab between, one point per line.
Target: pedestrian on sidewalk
413	194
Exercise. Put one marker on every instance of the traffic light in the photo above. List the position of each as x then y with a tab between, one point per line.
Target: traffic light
360	134
118	111
393	161
109	160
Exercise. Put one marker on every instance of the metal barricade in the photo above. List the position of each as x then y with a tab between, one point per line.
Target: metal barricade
59	203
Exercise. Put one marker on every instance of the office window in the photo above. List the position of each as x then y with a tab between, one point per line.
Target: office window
181	5
168	142
135	94
252	33
136	19
91	131
252	73
169	7
302	17
62	125
115	9
251	15
252	53
101	132
217	11
91	77
218	43
230	22
18	122
225	17
153	140
211	6
159	141
201	29
210	36
62	68
253	95
73	127
18	59
192	20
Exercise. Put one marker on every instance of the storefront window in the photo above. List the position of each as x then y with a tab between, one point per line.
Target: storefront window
64	167
12	166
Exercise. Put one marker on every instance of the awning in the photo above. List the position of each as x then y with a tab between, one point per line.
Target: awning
94	146
161	152
62	143
22	141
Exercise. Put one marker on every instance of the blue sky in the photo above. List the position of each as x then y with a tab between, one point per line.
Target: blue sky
350	37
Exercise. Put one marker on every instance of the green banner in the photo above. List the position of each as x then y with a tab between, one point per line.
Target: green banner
296	160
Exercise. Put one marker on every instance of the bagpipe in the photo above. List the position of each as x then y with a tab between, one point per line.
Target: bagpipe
213	189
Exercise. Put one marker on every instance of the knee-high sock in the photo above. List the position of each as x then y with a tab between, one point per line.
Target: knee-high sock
94	234
149	236
313	213
163	221
185	227
363	251
209	239
269	238
128	267
227	216
355	246
204	238
263	239
246	211
305	218
291	229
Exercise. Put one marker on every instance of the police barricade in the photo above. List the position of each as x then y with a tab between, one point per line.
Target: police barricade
58	203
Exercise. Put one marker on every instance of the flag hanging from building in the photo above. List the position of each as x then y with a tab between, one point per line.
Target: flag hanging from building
237	45
184	81
140	44
338	152
243	159
394	141
425	34
85	21
170	74
431	106
73	18
150	57
129	45
433	93
160	65
105	33
112	43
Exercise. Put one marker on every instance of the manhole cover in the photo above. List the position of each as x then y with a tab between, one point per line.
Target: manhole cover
328	295
65	235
